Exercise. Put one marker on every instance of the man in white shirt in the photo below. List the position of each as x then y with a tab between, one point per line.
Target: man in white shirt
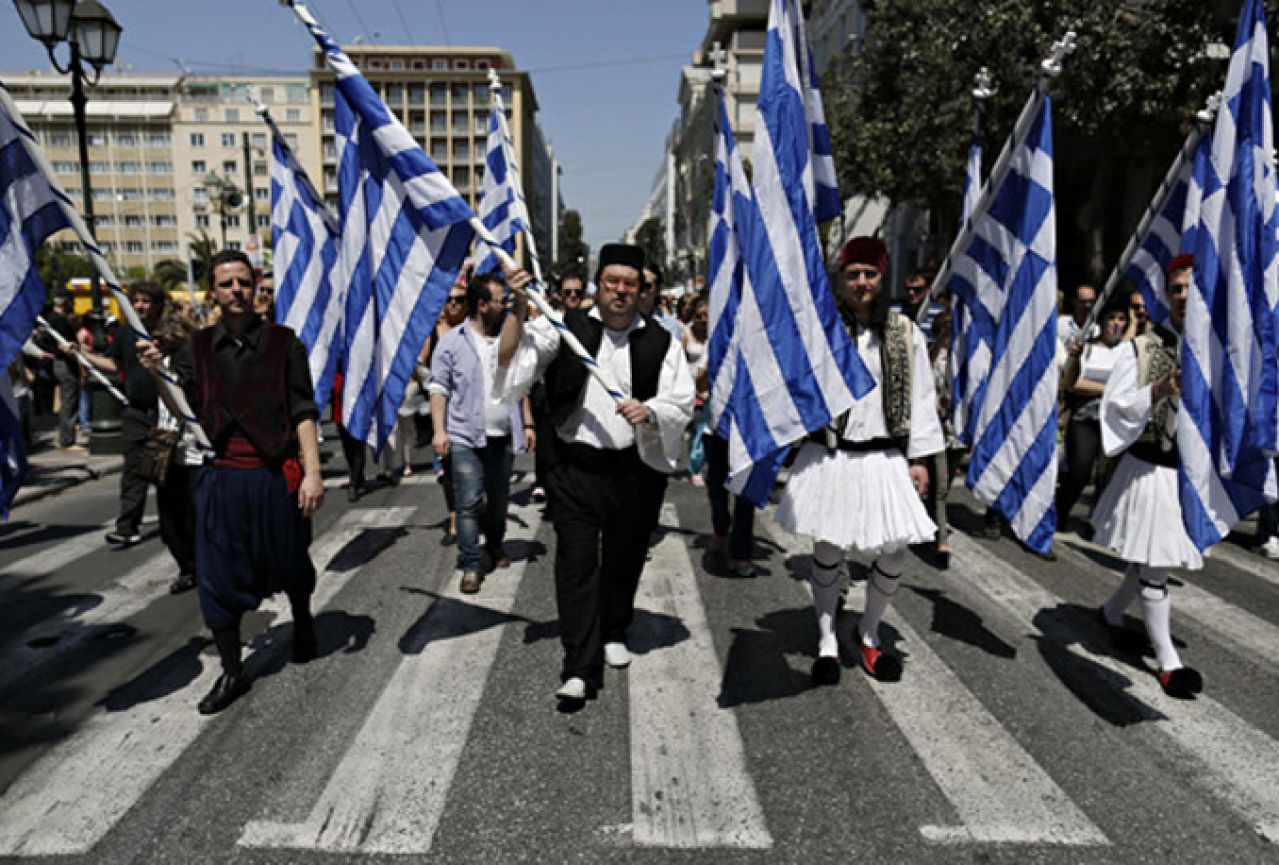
1069	327
608	476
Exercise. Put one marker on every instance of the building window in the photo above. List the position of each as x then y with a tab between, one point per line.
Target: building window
291	139
326	93
375	64
482	65
97	139
397	65
197	139
233	115
264	221
101	194
202	115
160	194
129	167
394	95
259	140
461	64
59	139
266	94
261	194
230	166
419	64
133	247
328	123
233	244
461	149
126	139
129	194
98	168
158	139
201	220
228	139
133	222
439	95
163	246
439	64
164	220
293	115
160	167
199	166
65	167
259	169
330	149
439	149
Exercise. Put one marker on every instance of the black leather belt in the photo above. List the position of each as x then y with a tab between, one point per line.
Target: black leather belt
1149	452
862	447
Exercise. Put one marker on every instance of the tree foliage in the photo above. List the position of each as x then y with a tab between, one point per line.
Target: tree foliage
901	109
651	237
56	268
574	251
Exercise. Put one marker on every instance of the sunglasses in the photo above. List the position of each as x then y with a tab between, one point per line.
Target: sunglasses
233	281
574	292
455	298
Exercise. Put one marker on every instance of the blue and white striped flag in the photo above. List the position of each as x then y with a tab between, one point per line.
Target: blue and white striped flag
308	299
1226	425
797	367
502	208
1009	264
31	209
972	327
725	270
404	235
1162	242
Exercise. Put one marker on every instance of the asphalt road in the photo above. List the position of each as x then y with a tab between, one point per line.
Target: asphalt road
427	730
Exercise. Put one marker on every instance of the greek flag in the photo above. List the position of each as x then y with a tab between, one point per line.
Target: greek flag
1009	266
31	209
304	241
797	368
404	235
1226	425
1160	245
725	270
971	324
502	208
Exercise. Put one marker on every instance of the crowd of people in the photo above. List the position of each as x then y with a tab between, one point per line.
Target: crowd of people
494	379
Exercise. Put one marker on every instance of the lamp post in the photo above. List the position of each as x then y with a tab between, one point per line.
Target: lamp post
227	196
93	37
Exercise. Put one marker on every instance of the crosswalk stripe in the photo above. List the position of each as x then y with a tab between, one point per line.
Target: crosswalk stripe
690	786
1226	623
999	792
67	800
389	790
1232	759
1262	569
57	556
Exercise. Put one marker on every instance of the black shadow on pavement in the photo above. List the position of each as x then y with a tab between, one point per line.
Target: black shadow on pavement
363	548
335	631
757	668
170	674
956	621
652	631
449	618
45	533
1104	692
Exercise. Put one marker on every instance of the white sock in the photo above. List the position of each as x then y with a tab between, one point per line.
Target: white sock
1156	609
885	577
825	583
1118	603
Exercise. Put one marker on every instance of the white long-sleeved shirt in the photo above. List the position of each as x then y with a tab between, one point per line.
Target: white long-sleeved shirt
595	420
1125	407
866	419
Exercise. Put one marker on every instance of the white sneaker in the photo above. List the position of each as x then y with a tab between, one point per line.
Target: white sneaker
1271	547
573	689
617	655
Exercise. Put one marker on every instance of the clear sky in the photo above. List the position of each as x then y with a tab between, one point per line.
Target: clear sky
606	72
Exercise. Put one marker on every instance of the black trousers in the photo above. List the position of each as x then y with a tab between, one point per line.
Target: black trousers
68	375
134	426
175	500
354	451
1083	447
604	505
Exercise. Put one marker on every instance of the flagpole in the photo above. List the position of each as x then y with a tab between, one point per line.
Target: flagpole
77	224
1049	69
1202	119
84	362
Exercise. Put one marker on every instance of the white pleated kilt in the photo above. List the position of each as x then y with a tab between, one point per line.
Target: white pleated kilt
1139	517
863	501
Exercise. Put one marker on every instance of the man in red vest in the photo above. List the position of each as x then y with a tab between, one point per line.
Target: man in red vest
250	387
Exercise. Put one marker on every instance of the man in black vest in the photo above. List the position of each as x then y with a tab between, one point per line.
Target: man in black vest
249	385
612	458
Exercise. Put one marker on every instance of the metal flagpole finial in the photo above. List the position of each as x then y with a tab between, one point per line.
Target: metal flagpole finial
718	55
983	90
1062	47
495	80
1212	105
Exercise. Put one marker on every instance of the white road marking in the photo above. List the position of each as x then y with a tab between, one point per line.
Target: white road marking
1221	620
388	792
1232	759
690	786
59	555
67	800
999	792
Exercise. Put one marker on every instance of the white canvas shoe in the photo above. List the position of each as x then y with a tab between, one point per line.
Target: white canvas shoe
616	655
573	689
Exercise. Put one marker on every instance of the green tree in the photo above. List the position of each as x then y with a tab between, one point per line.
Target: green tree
55	268
170	273
651	237
203	248
901	108
574	251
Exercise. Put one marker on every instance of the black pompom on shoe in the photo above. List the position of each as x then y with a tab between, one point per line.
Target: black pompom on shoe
826	671
1182	683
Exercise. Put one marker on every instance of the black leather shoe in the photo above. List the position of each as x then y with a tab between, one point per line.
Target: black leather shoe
183	583
226	690
826	671
304	645
353	493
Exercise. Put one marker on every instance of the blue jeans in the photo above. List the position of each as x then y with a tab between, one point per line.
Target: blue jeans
739	525
481	490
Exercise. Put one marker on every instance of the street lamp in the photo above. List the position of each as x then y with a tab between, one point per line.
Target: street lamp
227	196
93	36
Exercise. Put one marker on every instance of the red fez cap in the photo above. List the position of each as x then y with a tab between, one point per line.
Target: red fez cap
1186	259
865	250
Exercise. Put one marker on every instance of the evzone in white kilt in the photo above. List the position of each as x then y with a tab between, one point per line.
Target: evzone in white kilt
854	491
1139	514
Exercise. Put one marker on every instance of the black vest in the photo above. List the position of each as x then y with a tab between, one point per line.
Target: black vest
566	376
251	397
